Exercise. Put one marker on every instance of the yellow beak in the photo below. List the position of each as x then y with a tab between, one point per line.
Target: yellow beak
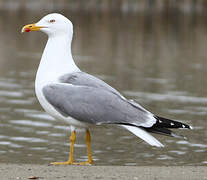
31	27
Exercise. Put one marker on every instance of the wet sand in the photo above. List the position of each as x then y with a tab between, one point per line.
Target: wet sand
26	171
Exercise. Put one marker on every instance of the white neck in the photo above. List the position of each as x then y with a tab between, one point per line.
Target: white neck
56	60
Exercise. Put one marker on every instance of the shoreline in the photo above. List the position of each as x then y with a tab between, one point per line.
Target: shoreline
46	172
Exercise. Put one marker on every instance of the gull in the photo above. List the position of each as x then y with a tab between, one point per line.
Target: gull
82	100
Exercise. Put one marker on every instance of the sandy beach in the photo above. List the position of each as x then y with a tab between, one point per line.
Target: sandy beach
29	171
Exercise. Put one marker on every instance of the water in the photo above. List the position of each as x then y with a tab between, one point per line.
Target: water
160	61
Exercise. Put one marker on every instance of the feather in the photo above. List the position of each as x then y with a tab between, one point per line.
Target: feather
143	135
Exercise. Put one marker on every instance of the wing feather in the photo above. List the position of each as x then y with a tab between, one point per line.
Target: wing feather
95	105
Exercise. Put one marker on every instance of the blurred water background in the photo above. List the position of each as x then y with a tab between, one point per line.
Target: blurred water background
152	51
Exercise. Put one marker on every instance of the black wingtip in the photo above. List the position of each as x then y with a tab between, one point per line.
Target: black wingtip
165	131
168	123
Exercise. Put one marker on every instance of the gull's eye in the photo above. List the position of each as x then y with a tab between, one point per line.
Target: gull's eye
52	21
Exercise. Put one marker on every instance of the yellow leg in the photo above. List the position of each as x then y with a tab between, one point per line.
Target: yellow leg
70	160
88	143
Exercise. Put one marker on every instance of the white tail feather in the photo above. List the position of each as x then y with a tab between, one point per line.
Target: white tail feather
143	135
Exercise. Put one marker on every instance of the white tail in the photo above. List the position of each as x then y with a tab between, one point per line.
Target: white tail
143	135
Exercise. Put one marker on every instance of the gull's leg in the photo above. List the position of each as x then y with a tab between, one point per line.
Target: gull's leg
70	159
88	143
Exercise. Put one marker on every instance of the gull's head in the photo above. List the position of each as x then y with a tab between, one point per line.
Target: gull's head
52	24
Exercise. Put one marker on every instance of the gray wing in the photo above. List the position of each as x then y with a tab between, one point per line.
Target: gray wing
84	79
95	105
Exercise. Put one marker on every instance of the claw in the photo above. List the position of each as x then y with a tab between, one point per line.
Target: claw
71	163
61	163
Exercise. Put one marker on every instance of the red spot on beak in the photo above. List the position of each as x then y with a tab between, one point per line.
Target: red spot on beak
27	30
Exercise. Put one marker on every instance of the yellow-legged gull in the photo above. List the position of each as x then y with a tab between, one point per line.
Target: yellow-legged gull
82	100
